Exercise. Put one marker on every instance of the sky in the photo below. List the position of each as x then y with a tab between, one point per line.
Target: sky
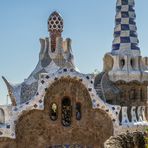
89	23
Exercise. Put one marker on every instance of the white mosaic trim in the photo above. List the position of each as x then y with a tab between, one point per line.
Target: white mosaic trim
45	81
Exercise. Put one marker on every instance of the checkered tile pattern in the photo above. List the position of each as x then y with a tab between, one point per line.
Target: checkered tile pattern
125	31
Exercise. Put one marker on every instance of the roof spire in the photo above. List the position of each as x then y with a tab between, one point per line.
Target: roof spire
55	28
125	31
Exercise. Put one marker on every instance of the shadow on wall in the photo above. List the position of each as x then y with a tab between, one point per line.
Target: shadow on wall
126	140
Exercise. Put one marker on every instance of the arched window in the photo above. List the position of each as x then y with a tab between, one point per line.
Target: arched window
2	116
53	111
132	63
122	63
66	112
78	111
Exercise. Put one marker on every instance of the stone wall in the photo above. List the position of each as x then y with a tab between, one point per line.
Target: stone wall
127	140
35	128
132	94
7	143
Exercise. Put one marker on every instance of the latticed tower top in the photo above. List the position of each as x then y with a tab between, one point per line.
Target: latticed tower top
55	22
125	31
55	28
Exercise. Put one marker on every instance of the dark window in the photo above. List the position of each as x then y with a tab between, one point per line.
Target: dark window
53	111
66	112
122	63
78	111
132	63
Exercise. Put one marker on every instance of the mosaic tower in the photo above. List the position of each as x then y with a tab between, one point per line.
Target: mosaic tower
125	31
126	63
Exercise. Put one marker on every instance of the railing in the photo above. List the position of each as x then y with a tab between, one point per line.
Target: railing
99	86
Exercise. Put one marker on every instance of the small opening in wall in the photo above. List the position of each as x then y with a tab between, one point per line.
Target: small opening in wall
78	111
54	112
122	63
53	50
59	18
57	22
54	18
120	117
52	22
132	63
66	112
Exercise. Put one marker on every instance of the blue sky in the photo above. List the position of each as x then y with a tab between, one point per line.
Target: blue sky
89	23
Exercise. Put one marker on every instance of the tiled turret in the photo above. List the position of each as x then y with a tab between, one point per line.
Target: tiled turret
125	31
124	62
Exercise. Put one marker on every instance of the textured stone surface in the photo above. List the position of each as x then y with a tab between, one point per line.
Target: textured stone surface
36	129
7	143
128	97
129	140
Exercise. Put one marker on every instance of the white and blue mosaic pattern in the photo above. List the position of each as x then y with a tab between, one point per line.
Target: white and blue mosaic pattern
125	31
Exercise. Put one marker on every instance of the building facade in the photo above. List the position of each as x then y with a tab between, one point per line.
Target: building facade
57	106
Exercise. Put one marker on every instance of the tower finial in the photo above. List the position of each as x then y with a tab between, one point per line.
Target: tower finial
125	31
55	28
